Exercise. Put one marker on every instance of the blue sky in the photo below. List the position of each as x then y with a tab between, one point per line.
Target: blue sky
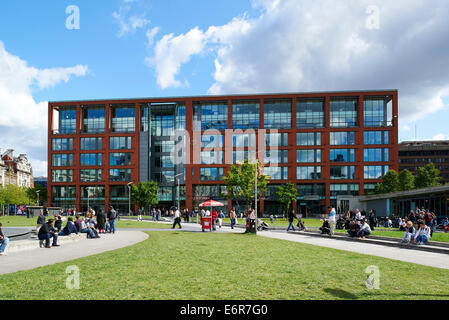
218	47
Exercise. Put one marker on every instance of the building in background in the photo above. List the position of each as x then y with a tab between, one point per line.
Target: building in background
15	170
415	154
330	145
41	181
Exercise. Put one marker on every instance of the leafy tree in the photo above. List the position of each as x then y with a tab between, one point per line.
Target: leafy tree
32	194
145	193
427	176
287	195
406	180
12	194
240	183
390	183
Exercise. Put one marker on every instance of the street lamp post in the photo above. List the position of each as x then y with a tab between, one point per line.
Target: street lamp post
177	179
37	192
88	196
129	198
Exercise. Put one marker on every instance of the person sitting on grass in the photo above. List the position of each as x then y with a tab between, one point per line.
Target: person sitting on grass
422	236
409	232
58	223
46	232
325	228
445	224
353	229
3	242
403	225
365	230
93	234
69	228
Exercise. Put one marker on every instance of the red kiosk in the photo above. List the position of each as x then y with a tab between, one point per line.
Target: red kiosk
206	222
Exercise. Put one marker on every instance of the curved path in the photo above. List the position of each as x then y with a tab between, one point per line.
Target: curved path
31	259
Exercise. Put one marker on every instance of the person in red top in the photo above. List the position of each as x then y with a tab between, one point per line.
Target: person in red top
214	218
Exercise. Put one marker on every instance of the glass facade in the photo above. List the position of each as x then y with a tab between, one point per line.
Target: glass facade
120	143
343	113
93	193
164	162
120	159
342	138
212	115
211	174
275	140
276	156
243	140
241	156
376	155
342	172
120	175
64	193
62	160
90	144
342	155
375	112
308	139
245	115
165	176
62	175
164	146
308	156
276	173
211	157
62	144
308	173
375	137
123	118
310	113
90	159
67	120
212	141
162	123
94	119
375	172
90	175
344	189
277	114
119	193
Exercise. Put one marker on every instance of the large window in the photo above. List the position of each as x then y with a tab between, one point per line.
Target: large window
342	138
308	173
275	140
164	162
310	113
64	193
93	119
245	115
62	144
243	140
375	112
276	173
211	174
165	176
343	113
211	157
277	114
119	193
162	123
344	189
311	190
120	143
166	146
90	159
120	159
67	120
308	156
89	144
241	156
375	172
212	141
93	193
308	139
90	175
342	172
376	155
342	155
210	115
62	175
375	137
62	160
123	118
122	175
276	156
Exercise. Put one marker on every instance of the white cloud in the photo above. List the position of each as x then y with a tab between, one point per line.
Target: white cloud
23	120
441	136
128	23
301	45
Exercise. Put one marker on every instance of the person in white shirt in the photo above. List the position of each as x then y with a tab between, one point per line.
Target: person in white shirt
365	230
207	213
423	234
358	215
177	219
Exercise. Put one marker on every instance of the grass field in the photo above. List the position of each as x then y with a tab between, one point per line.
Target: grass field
227	266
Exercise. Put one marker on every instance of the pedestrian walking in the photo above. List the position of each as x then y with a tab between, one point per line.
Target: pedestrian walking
112	216
332	220
177	219
291	217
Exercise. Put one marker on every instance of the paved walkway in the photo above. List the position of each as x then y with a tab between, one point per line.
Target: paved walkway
31	259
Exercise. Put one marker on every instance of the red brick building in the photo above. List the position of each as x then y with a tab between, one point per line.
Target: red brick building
329	144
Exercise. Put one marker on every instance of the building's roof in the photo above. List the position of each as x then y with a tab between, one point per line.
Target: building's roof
423	144
231	95
405	194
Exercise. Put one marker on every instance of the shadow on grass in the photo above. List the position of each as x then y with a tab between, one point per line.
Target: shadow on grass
341	294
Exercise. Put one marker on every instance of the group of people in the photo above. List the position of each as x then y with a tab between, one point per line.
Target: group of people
92	225
418	226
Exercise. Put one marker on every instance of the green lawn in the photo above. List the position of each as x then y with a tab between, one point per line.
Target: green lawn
141	225
18	221
226	266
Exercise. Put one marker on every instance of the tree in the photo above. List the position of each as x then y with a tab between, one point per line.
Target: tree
12	194
427	176
287	195
145	193
32	194
406	180
390	183
240	183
